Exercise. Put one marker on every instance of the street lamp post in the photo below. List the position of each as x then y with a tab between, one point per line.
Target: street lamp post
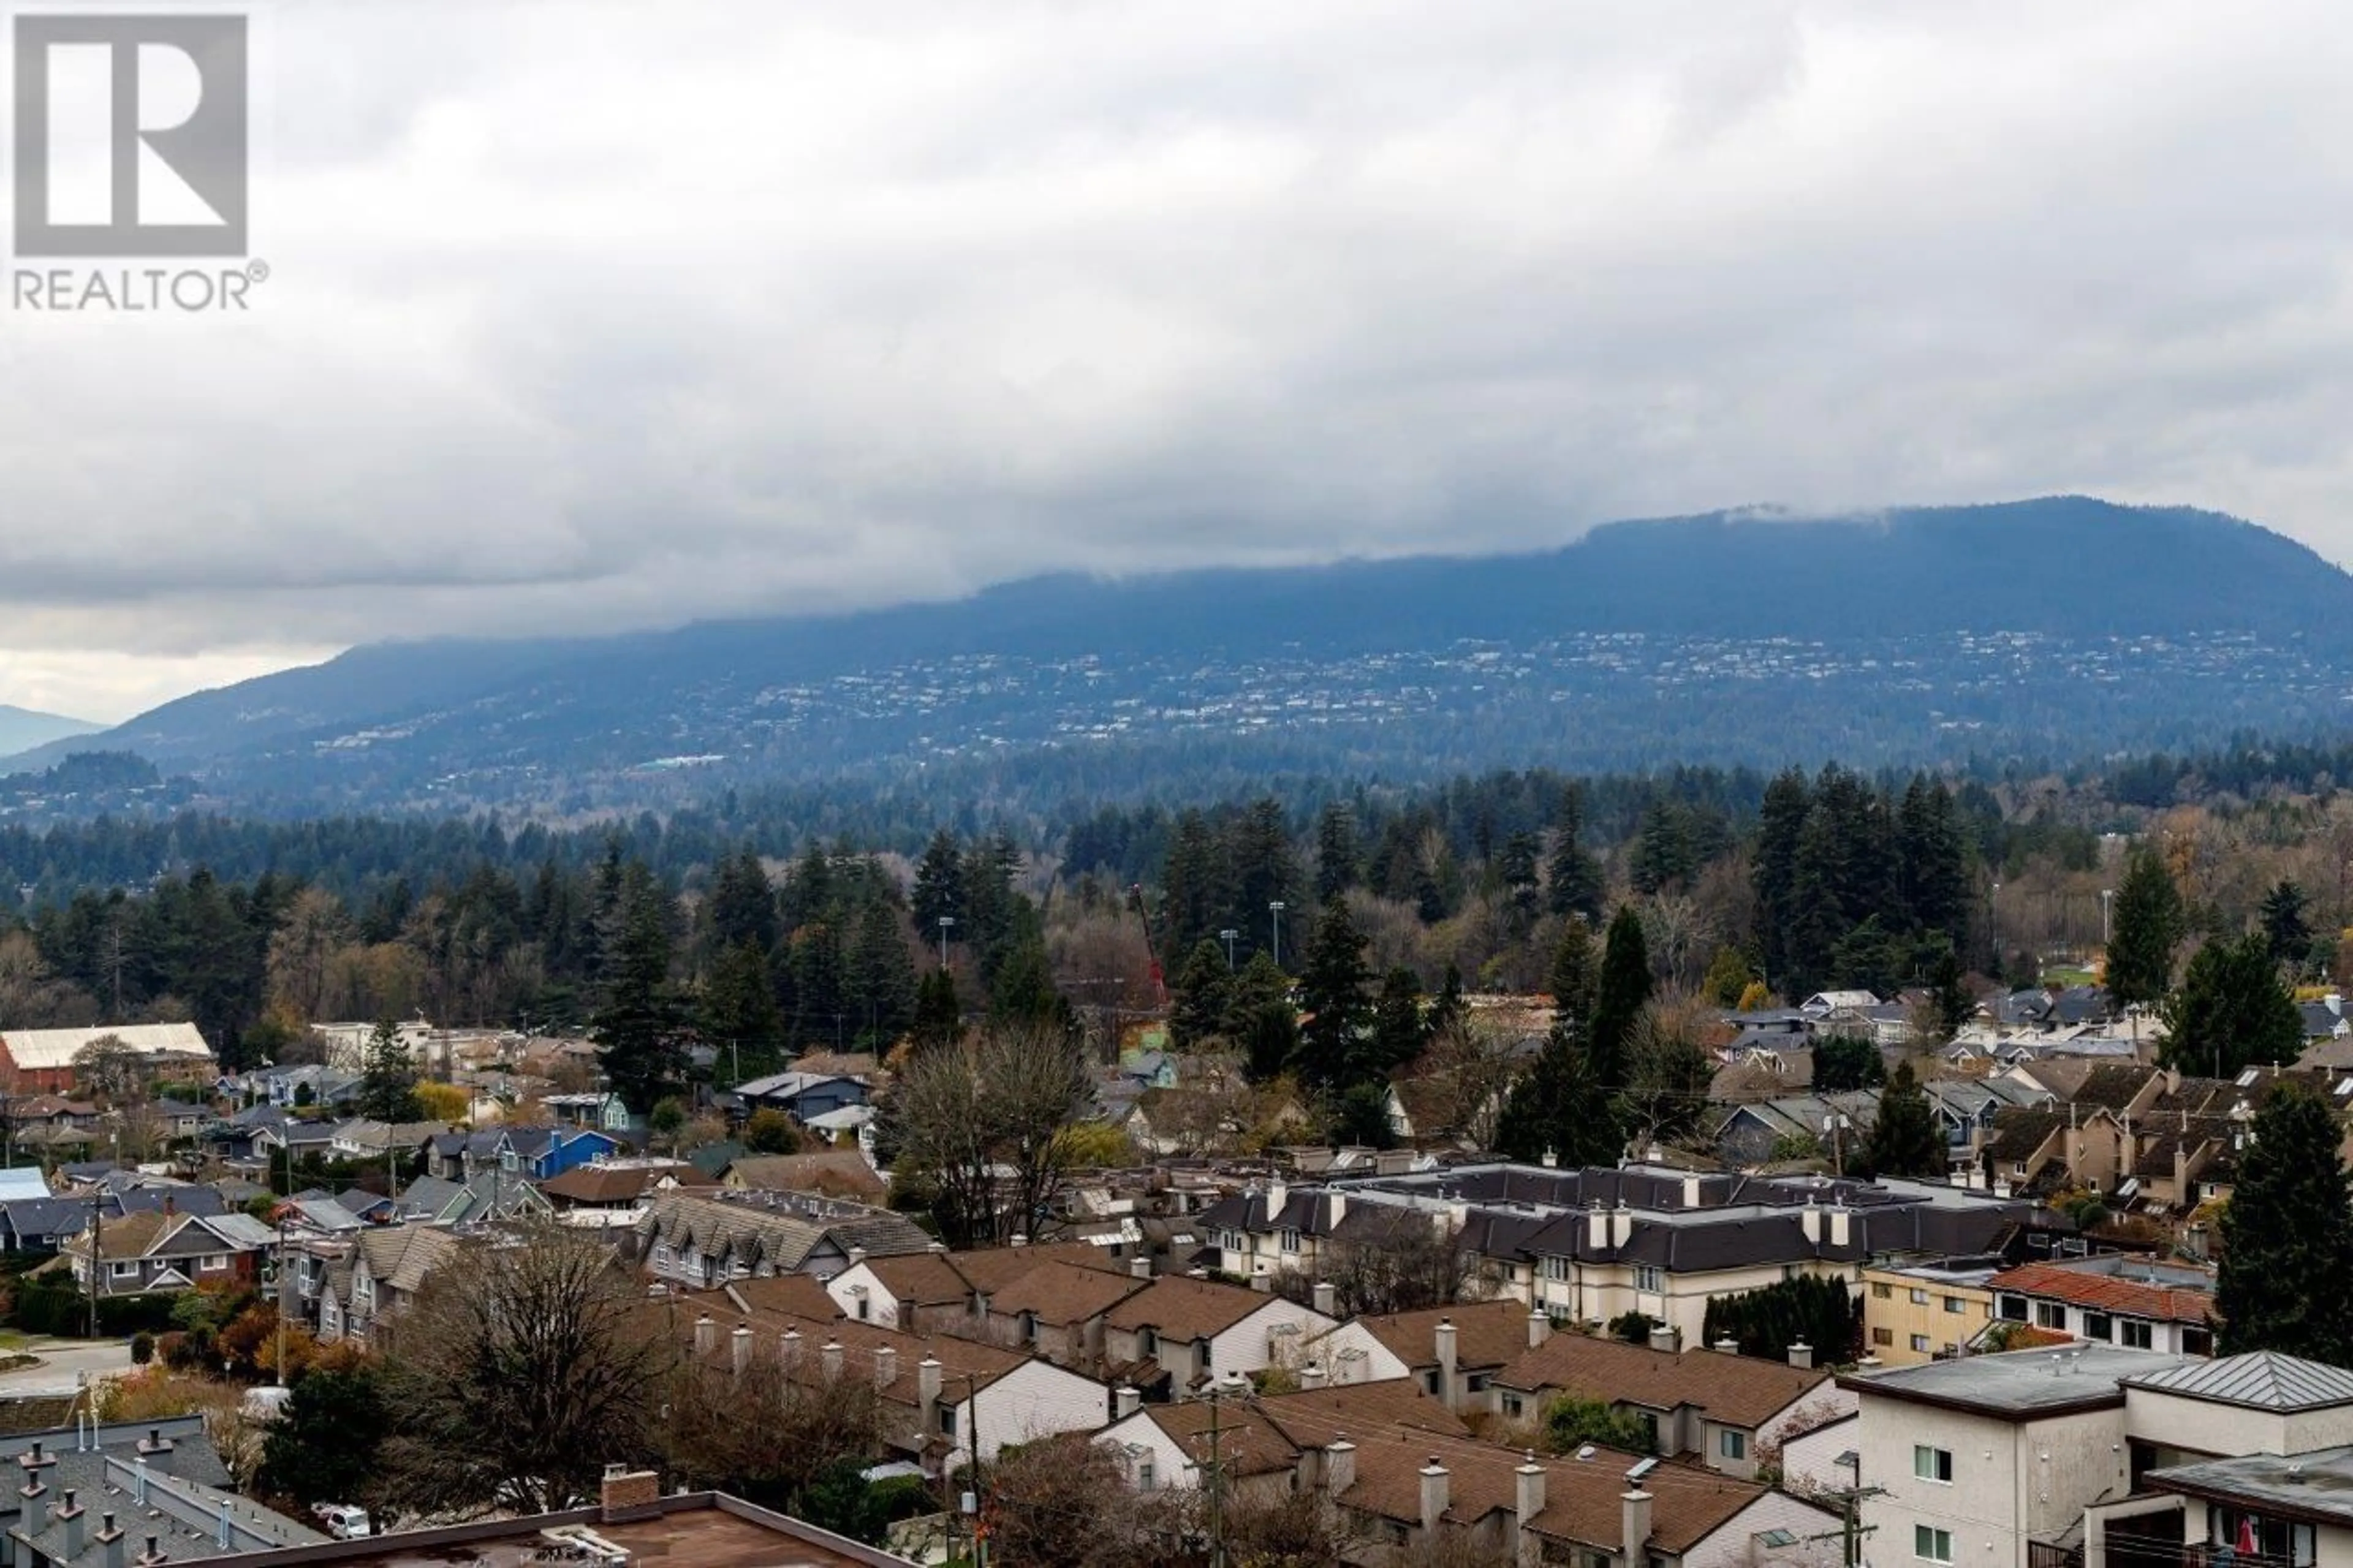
1274	907
1229	936
2107	898
946	921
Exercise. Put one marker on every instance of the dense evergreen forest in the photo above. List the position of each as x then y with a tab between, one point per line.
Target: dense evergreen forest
788	920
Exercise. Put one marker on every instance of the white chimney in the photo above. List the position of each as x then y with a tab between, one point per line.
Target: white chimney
1278	1192
1690	1190
1809	1220
831	1358
1725	1345
1312	1375
1327	1299
1020	1239
1621	1224
706	1335
1340	1465
739	1349
1664	1340
1261	1277
1528	1500
1635	1526
1433	1495
1801	1356
1445	1350
1839	1217
1139	1267
886	1365
927	1389
1124	1402
1539	1328
1597	1229
791	1348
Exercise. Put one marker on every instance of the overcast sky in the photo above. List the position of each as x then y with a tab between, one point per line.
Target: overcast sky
584	317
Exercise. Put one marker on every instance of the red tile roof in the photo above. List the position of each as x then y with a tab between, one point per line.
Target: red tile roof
2107	1292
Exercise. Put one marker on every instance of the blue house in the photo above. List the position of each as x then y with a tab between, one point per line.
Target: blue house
800	1095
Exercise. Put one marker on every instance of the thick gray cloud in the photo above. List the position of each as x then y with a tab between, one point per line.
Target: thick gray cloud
586	315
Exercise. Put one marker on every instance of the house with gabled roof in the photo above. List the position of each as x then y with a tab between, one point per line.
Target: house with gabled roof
161	1249
370	1288
704	1242
1449	1353
1171	1338
1259	1441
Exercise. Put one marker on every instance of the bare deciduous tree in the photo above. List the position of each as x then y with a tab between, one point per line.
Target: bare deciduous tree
1472	1067
761	1434
977	1125
521	1370
1391	1260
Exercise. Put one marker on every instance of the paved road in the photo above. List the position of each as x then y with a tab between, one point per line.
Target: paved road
61	1362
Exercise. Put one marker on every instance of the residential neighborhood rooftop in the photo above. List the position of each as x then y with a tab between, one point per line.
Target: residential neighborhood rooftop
2020	1383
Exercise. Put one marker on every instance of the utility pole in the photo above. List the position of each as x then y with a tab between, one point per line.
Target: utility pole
97	1250
1274	907
946	921
1229	936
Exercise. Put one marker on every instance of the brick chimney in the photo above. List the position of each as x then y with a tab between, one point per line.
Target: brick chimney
628	1494
1444	1346
1528	1500
1434	1480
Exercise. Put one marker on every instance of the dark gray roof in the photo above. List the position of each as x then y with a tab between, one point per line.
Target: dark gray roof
2316	1485
2018	1384
2259	1380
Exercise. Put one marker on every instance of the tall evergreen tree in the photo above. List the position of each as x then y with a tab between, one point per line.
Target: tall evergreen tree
1621	992
1573	881
1933	862
1397	1034
1905	1140
1339	862
639	1020
1332	978
2287	1281
1204	994
1192	900
2232	1011
881	976
1449	1012
1947	995
388	1077
939	887
2146	924
2285	931
1570	980
739	1012
743	904
939	1014
1559	1111
1781	821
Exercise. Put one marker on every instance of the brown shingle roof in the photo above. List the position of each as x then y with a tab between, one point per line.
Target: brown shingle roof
1741	1391
130	1237
837	1172
801	1295
1248	1444
926	1279
618	1183
1581	1495
1486	1333
1182	1310
992	1269
1313	1417
1063	1293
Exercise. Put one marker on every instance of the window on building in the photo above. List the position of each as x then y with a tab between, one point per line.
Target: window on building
1955	1304
2098	1326
2134	1334
1555	1268
865	1309
1880	1292
1290	1241
1932	1464
1920	1343
215	1264
2050	1315
1883	1336
1511	1273
1029	1328
1145	1480
1732	1445
1148	1341
947	1422
2197	1342
1919	1298
2012	1308
1514	1407
128	1270
1788	1272
1649	1277
1932	1545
